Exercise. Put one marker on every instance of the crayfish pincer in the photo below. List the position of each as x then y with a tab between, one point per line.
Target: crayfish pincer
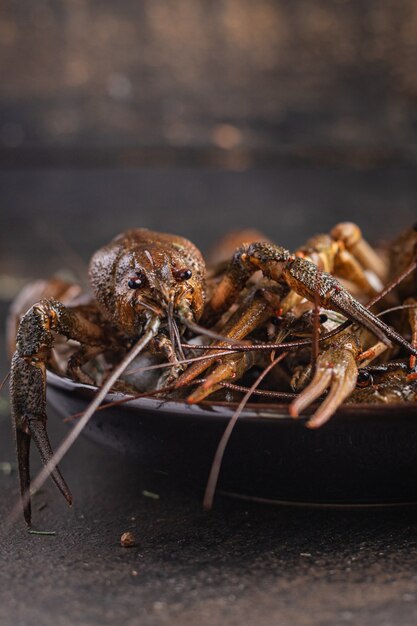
146	285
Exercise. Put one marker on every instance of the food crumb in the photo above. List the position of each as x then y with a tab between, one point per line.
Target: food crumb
6	468
127	540
150	494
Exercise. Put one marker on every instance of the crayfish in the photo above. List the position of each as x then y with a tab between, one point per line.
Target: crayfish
154	295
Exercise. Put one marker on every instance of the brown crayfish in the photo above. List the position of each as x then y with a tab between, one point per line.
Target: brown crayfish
152	291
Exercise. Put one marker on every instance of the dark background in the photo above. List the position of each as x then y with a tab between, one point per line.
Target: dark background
199	117
298	76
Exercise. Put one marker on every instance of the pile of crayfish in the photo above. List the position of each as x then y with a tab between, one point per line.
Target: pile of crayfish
333	322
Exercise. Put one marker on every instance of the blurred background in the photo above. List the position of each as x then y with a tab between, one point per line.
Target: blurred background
199	117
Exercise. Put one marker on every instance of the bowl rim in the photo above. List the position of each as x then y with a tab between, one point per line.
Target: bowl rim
259	412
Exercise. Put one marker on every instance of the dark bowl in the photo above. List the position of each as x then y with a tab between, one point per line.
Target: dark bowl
366	454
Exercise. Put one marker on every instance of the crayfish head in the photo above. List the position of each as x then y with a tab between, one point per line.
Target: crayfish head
141	271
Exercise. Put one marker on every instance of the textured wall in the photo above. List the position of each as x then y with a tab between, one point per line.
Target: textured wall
192	73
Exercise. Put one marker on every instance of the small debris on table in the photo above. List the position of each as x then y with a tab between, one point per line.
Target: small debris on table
127	540
6	468
150	494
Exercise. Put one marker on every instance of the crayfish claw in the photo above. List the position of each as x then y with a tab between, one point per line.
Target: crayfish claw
23	448
340	389
310	282
337	371
41	439
344	303
312	392
37	432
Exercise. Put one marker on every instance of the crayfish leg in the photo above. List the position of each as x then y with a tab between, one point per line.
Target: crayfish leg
251	314
247	260
346	266
351	236
365	358
233	368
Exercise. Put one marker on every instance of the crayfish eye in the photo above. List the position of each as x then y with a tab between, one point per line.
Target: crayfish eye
136	282
364	379
182	274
